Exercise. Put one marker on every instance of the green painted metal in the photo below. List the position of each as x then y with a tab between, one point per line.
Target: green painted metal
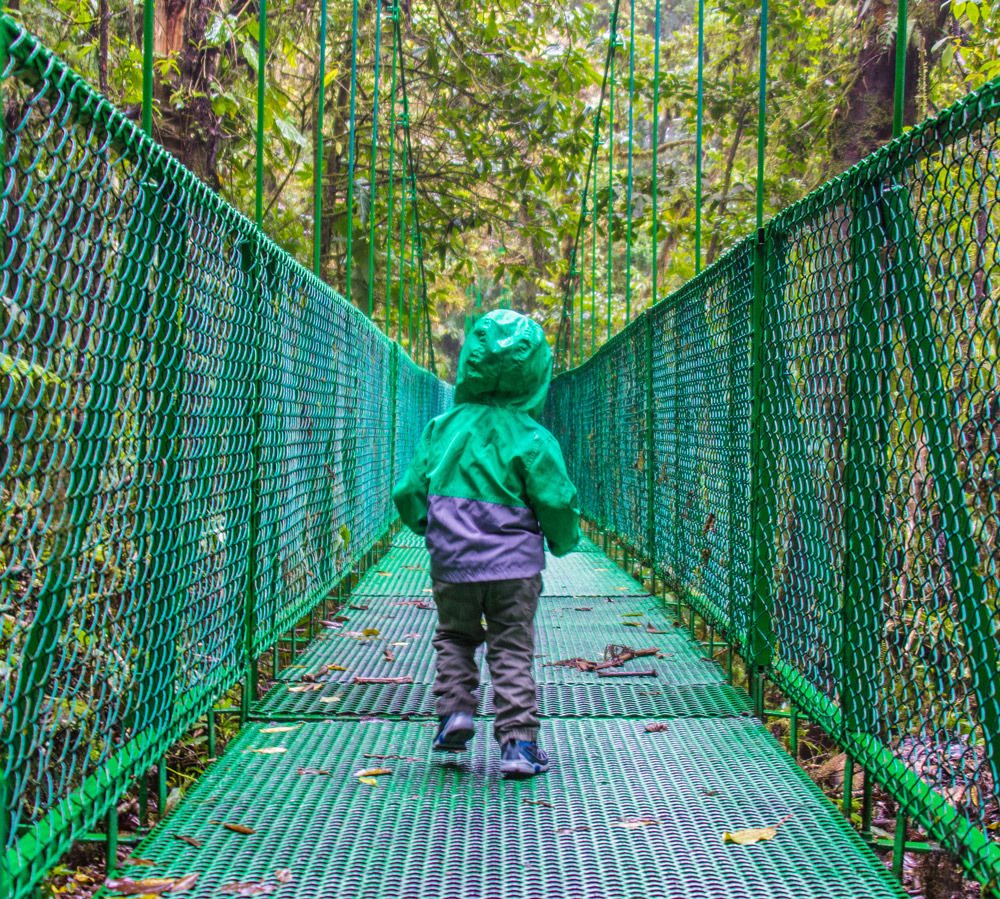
656	149
392	174
761	114
899	87
259	145
699	153
628	190
371	173
148	10
351	146
318	175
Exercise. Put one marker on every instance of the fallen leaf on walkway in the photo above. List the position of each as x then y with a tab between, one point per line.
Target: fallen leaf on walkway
542	802
371	781
652	630
236	828
372	772
709	793
330	698
284	875
411	636
132	860
304	688
370	632
414	567
651	693
566	831
584	609
384	573
382	680
283	729
623	589
387	655
260	888
152	886
191	841
752	835
185	883
400	643
317	771
404	758
631	624
268	750
632	614
634	823
358	608
602	569
657	727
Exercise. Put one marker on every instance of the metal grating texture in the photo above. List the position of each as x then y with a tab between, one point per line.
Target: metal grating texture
198	440
558	836
582	574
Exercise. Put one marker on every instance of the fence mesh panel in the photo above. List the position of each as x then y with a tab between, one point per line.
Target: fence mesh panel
826	437
198	440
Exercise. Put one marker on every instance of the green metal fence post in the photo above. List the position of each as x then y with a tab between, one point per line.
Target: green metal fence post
649	449
371	177
899	92
259	161
698	137
318	176
656	146
628	200
147	65
111	843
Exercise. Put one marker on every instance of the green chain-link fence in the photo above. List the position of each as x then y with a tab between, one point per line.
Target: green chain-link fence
199	440
821	409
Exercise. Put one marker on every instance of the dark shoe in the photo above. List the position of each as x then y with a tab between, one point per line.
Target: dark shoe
522	758
454	732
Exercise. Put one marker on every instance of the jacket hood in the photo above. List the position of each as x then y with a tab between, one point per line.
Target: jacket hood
506	361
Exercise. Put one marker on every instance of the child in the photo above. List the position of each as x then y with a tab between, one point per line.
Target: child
486	482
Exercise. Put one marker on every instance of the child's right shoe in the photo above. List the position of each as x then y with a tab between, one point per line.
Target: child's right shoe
454	732
522	758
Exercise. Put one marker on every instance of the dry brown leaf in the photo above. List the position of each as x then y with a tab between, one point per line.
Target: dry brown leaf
652	630
316	771
284	875
411	636
634	823
191	841
384	573
258	888
583	609
268	750
86	878
370	781
387	655
751	835
400	643
657	727
358	608
236	828
631	624
404	758
330	698
280	730
131	860
153	886
566	831
542	802
382	680
373	772
184	883
305	688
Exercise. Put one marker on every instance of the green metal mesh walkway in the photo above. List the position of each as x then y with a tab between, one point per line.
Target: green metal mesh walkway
453	827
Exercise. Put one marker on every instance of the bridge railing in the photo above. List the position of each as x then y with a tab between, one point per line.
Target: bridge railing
199	440
805	441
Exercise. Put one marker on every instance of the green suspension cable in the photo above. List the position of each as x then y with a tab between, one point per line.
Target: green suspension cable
593	265
413	238
392	154
261	63
371	178
147	66
656	142
761	108
318	179
900	85
350	152
698	136
631	106
611	170
402	233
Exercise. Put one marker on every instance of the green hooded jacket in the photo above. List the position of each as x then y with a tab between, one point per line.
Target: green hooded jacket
487	481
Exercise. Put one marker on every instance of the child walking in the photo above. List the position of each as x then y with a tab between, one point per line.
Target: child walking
486	483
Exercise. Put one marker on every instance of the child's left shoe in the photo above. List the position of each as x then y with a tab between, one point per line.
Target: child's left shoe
522	758
454	732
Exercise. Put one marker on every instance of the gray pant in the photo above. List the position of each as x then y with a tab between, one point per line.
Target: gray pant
509	608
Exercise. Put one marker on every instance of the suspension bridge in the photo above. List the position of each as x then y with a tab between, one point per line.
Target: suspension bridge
788	470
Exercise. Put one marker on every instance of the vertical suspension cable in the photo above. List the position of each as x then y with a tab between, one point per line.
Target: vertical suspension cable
656	146
611	168
761	108
900	85
628	201
392	160
350	150
593	252
402	224
147	65
371	177
259	164
698	136
318	175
